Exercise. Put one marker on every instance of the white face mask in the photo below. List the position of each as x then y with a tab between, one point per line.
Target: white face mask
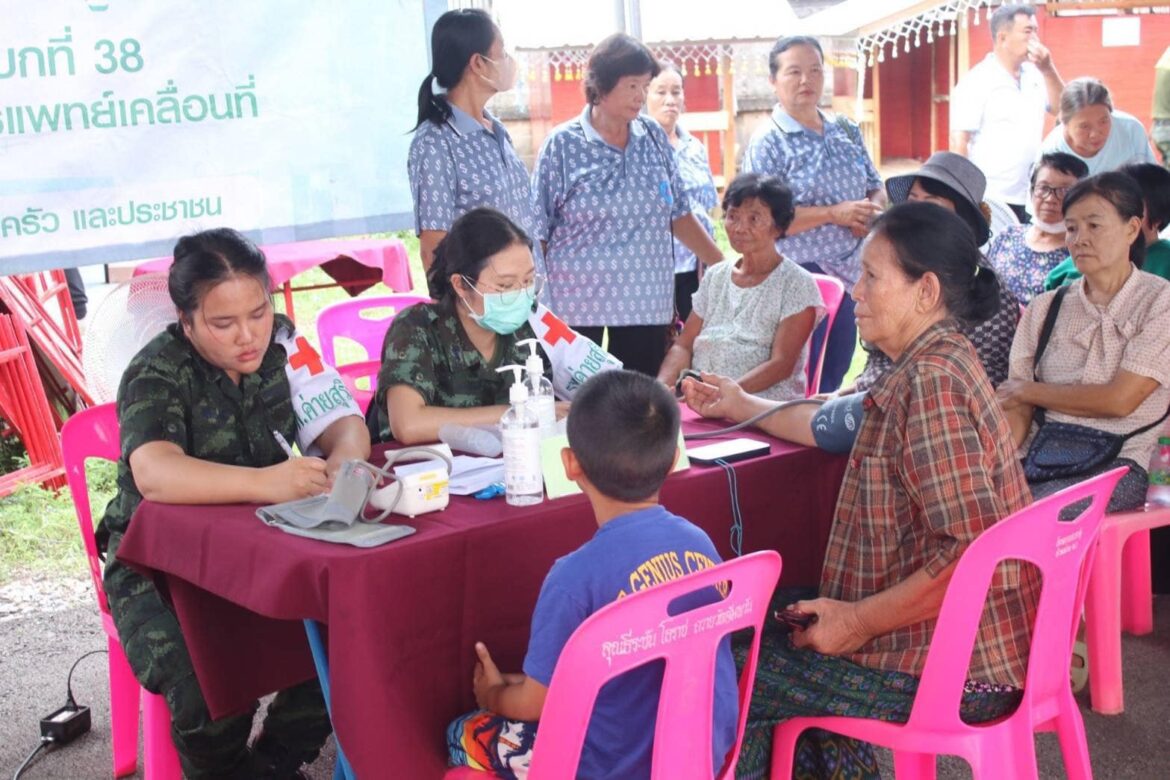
1051	228
505	77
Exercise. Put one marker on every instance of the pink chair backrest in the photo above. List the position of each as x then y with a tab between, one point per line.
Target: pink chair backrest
1063	552
91	433
639	629
352	372
345	320
832	293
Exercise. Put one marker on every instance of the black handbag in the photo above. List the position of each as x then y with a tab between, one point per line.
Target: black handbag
1060	450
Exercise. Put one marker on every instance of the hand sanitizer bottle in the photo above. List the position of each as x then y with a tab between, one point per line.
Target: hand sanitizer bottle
523	480
540	391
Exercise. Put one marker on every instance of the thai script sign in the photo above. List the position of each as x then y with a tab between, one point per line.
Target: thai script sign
124	125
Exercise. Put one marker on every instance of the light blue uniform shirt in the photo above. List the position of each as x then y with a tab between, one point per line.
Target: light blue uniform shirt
459	165
821	170
606	214
1127	143
699	186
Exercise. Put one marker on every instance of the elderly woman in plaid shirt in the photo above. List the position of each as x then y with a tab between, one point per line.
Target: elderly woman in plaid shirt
932	467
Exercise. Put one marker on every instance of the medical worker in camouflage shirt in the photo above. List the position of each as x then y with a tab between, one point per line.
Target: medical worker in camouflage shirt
439	359
197	408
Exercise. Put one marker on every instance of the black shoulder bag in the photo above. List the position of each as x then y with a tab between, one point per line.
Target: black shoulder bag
1061	450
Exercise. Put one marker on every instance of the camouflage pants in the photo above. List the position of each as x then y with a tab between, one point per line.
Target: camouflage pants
1160	134
295	728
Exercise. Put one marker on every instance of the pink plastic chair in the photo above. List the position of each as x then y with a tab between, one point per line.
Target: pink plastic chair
1119	599
345	319
595	654
351	373
93	433
1063	552
832	292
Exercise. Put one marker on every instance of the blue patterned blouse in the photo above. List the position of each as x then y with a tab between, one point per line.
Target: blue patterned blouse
1021	268
606	214
460	165
699	185
822	170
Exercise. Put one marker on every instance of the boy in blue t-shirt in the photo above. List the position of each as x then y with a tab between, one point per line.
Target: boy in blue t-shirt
623	441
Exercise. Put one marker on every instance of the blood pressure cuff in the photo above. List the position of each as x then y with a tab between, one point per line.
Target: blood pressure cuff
835	425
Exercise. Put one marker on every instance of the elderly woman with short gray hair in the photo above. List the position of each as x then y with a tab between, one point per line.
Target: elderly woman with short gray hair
1092	130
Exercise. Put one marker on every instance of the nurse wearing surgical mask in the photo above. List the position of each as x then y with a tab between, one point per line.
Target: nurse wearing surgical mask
439	359
461	155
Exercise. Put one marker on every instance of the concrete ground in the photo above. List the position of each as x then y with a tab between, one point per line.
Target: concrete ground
37	648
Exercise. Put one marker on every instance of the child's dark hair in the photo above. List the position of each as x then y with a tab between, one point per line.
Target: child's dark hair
623	429
207	258
456	37
471	241
1155	183
928	238
769	190
1123	193
616	56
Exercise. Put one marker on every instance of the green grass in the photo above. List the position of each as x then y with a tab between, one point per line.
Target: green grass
39	535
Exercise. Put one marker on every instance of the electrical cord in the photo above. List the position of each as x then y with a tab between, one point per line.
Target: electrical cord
45	742
752	420
736	515
69	700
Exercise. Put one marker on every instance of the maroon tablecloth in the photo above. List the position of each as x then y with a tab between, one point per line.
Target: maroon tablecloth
403	618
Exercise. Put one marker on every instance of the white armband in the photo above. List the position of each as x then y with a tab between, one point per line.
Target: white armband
319	397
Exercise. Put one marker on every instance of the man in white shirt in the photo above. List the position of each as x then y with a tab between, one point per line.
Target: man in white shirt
997	108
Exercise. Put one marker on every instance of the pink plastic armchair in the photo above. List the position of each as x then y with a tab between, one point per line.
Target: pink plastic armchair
1063	552
93	433
1119	598
346	319
352	373
832	292
688	642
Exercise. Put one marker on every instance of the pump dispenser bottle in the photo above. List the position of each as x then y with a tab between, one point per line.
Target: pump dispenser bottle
540	391
523	480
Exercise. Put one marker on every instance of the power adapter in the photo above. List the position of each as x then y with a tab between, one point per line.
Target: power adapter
66	724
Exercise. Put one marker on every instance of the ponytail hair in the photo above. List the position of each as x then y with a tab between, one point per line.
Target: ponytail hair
928	238
457	37
467	247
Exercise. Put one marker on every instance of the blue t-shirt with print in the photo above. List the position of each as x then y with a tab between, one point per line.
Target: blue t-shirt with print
632	552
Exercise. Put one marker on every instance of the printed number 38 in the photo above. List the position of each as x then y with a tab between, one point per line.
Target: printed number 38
130	59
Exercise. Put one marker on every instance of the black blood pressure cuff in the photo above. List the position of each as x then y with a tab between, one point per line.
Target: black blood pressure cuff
835	425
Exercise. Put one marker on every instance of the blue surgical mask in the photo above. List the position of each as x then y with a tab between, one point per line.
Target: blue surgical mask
505	312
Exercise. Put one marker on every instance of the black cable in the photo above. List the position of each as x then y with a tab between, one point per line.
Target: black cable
752	420
736	514
69	680
45	742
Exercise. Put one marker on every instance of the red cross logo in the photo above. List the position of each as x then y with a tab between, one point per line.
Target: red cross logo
306	356
557	330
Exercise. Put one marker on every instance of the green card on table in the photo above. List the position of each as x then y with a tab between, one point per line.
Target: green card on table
556	484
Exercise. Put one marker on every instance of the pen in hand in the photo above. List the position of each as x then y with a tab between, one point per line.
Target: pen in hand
284	445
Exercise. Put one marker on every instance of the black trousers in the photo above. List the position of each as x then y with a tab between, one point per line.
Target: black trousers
686	284
640	347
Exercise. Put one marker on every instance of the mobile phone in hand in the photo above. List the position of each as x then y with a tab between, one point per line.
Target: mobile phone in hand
794	618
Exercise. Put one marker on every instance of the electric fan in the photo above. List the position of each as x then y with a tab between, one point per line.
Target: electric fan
130	316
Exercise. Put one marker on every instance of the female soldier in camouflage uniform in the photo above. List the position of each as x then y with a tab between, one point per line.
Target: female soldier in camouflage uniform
197	408
439	360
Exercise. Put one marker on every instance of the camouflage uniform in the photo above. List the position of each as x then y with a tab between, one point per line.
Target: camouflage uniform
170	393
427	349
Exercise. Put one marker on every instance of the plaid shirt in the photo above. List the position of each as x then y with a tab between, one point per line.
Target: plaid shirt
933	467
